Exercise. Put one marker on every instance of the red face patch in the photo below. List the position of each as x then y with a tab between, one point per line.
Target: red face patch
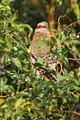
41	26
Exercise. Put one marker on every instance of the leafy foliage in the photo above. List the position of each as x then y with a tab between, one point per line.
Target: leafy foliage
25	95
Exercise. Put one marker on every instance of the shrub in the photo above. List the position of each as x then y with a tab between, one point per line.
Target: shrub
25	95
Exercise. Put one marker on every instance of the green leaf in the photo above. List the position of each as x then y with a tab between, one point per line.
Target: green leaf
60	77
41	42
45	1
6	2
16	62
6	58
40	61
19	102
28	109
1	101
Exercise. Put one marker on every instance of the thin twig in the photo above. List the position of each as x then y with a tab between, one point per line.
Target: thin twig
76	113
71	25
74	59
62	16
70	40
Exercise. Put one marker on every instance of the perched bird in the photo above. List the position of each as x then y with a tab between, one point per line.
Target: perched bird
42	51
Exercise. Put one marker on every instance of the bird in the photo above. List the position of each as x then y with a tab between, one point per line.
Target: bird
42	51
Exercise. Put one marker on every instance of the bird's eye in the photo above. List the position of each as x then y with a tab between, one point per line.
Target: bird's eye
38	26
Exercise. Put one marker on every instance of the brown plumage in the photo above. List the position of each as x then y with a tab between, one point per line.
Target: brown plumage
42	51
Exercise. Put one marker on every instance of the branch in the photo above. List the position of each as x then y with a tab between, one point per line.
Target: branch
59	24
70	40
64	29
74	59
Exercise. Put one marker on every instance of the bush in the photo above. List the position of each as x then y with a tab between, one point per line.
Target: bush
25	95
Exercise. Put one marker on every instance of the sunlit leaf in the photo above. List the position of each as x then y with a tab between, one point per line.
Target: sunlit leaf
28	109
16	62
19	102
1	101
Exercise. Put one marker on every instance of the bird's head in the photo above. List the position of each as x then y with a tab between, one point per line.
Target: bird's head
43	24
42	27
